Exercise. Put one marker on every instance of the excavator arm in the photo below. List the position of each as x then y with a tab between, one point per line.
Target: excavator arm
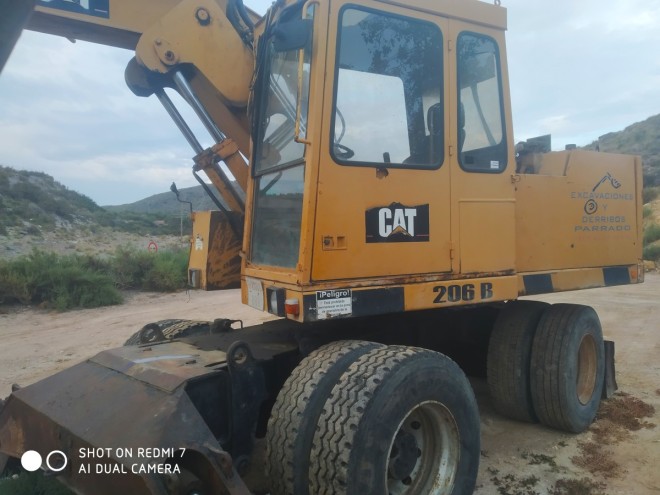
105	22
14	16
201	49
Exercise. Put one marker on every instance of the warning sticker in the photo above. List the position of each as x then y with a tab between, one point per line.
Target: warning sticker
255	292
333	303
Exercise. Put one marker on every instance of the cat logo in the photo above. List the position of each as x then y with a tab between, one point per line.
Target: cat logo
403	222
397	223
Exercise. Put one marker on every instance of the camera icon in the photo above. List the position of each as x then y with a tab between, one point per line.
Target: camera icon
56	461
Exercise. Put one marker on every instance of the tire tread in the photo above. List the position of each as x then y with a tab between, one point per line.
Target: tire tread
290	428
509	358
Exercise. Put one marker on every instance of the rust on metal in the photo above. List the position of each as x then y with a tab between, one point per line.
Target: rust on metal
122	400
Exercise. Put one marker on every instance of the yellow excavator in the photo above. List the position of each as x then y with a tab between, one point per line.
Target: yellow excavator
372	199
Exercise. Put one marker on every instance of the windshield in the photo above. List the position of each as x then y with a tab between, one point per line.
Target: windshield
279	166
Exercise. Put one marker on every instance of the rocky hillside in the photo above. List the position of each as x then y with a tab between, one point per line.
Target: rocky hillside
38	212
36	199
166	203
35	203
642	138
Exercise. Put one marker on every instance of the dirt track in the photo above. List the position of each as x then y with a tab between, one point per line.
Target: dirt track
516	458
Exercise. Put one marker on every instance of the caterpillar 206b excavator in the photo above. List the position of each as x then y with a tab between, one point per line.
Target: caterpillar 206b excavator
374	201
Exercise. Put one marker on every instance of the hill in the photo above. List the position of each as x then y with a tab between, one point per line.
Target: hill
36	198
642	138
34	203
166	203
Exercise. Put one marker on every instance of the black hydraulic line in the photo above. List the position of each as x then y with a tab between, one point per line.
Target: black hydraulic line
240	7
206	187
238	229
236	19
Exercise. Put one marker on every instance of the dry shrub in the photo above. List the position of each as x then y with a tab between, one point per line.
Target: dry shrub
596	460
583	486
616	418
608	432
626	411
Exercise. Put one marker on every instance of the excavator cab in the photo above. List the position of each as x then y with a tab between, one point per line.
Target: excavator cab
374	146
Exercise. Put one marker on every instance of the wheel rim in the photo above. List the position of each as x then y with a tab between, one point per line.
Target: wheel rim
424	453
586	369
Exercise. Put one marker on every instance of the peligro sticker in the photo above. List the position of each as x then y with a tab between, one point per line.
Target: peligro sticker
333	302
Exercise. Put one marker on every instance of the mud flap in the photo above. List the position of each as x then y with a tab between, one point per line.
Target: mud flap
610	386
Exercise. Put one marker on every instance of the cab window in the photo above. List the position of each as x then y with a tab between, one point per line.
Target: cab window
388	108
481	129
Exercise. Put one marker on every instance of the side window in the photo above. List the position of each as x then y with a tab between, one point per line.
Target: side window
481	129
388	108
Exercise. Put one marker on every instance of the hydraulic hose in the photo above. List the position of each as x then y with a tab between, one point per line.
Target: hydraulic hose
242	11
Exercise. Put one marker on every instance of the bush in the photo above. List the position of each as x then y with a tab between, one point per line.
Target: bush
75	281
62	282
33	230
649	194
32	484
164	271
168	273
651	234
652	253
647	211
130	267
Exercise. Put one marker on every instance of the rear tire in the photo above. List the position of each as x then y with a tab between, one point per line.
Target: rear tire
568	366
400	420
297	409
509	357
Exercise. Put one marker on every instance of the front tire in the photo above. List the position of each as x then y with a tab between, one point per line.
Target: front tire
399	421
297	409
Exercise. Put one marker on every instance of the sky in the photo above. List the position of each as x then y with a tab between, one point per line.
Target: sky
577	68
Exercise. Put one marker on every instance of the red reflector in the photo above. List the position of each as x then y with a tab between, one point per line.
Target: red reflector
291	307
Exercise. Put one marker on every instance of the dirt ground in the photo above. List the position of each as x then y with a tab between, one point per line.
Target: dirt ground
619	455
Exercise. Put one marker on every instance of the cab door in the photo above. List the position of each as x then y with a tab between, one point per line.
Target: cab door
482	155
383	193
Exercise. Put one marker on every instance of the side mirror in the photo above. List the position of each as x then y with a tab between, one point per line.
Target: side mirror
174	190
292	35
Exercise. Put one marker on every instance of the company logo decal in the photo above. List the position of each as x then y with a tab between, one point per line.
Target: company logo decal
398	223
602	207
608	177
